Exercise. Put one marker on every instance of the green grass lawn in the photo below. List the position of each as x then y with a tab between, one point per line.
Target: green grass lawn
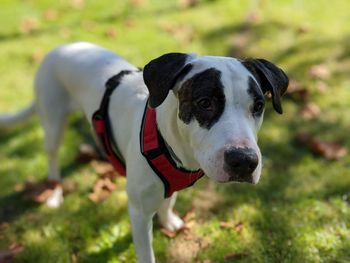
299	212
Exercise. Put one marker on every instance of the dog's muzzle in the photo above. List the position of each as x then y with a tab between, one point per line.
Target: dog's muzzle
240	163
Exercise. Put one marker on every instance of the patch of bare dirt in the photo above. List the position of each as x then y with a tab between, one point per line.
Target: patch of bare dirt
185	248
206	200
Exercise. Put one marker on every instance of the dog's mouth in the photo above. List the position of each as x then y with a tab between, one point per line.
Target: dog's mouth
229	174
241	179
238	176
229	178
242	165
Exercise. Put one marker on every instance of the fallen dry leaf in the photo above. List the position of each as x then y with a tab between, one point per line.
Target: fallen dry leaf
50	15
43	196
310	111
168	233
253	18
240	40
74	258
172	234
104	185
8	256
238	227
298	91
137	2
227	225
68	186
86	153
328	150
189	219
4	226
103	168
102	189
182	33
111	32
190	215
303	29
77	4
183	4
235	256
130	21
37	56
320	71
19	187
321	86
28	25
40	192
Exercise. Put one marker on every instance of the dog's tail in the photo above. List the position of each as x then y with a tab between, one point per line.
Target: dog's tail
10	119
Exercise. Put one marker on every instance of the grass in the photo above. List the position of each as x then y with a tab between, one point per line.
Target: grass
299	212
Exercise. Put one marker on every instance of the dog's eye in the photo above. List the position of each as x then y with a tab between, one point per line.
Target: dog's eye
258	107
205	104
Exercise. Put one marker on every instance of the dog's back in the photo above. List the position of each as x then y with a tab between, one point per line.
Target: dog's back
82	70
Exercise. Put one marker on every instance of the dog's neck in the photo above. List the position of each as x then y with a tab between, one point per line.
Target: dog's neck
168	126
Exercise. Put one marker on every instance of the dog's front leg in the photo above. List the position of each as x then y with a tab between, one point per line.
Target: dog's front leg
145	195
168	219
142	227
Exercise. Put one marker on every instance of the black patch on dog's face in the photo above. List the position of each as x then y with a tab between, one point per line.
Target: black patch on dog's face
202	97
254	90
257	96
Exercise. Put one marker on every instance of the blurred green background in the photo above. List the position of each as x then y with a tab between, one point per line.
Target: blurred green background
299	212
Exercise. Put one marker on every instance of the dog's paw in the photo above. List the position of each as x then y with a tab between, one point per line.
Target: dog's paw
56	198
172	222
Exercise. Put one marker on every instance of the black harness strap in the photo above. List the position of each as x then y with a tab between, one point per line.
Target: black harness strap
111	85
101	123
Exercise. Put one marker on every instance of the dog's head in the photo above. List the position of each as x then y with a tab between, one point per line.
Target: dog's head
220	108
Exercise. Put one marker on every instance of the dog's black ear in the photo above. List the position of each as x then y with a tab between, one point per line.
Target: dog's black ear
271	79
161	74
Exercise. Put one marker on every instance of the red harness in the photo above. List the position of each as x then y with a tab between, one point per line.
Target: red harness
153	147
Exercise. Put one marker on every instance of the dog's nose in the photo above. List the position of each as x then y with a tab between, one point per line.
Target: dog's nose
241	161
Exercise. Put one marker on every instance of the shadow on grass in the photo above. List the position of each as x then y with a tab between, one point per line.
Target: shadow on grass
15	204
7	134
75	229
120	246
307	48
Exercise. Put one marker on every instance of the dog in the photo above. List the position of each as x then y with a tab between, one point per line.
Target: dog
208	111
